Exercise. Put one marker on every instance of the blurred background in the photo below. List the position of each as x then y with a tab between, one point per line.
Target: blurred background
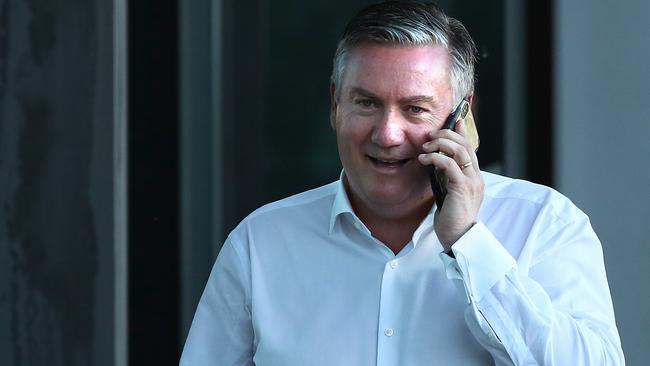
135	135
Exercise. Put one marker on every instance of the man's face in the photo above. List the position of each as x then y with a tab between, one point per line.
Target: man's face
389	99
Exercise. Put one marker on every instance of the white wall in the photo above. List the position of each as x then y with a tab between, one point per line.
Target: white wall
602	152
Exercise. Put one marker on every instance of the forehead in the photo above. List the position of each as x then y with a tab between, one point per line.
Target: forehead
384	67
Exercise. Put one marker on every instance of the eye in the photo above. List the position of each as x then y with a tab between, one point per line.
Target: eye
416	110
365	103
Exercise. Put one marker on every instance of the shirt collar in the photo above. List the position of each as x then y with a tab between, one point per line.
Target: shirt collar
426	226
342	205
341	202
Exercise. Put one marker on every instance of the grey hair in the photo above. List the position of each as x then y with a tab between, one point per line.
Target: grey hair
410	23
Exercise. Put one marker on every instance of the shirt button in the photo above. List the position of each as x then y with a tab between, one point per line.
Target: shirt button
388	332
393	264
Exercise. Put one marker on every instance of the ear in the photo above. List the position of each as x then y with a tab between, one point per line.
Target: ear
470	99
333	106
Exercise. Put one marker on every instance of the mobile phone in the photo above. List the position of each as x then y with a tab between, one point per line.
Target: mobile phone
438	179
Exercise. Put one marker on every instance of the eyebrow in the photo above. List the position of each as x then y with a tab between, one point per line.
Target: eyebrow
419	99
355	90
408	100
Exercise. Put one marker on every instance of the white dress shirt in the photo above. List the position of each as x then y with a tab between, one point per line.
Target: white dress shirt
302	281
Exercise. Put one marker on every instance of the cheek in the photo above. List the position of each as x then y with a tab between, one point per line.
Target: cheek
353	133
419	135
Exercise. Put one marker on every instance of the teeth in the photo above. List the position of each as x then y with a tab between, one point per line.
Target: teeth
389	161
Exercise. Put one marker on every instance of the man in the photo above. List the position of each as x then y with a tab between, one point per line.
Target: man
369	270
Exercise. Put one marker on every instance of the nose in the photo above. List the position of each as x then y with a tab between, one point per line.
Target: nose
389	130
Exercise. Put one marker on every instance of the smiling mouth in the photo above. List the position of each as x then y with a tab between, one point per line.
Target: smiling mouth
388	163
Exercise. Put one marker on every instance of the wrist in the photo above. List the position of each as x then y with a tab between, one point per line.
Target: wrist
447	243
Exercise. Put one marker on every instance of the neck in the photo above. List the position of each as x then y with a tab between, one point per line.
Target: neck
395	231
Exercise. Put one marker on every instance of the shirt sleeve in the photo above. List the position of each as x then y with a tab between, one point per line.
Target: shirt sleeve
557	311
222	331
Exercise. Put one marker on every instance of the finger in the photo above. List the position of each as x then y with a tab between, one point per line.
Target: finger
450	135
462	130
434	144
443	162
452	149
446	164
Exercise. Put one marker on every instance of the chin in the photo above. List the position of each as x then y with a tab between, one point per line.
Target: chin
390	196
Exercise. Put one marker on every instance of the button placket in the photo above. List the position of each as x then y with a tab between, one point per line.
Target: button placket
388	316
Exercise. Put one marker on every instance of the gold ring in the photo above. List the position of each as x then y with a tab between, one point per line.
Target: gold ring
468	164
